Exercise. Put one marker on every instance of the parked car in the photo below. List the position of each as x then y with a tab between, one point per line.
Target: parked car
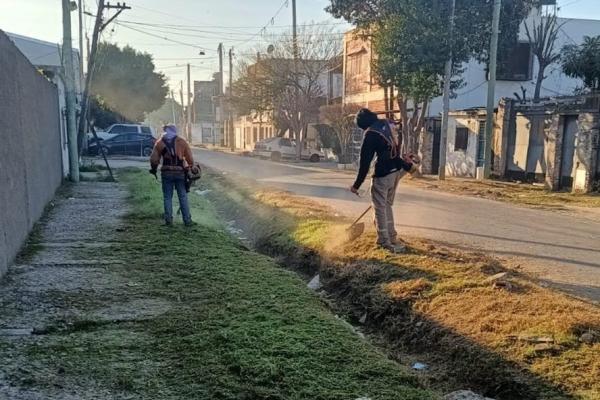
135	144
130	128
279	148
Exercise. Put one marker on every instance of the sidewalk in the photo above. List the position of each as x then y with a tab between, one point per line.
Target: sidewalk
106	303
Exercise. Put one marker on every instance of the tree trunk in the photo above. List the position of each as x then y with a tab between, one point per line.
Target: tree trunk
538	84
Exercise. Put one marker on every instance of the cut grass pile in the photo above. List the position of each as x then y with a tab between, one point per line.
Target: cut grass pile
526	194
511	339
198	316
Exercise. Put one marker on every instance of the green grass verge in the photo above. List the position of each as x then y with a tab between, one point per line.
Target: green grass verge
233	324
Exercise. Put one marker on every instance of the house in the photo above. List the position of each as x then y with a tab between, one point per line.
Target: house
517	71
326	80
207	127
47	58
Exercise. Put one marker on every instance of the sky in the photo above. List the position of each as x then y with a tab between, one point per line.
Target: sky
201	24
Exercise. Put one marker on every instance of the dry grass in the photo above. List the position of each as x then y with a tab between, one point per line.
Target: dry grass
527	194
515	340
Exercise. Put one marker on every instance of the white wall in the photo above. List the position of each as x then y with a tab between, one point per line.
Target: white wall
474	94
462	163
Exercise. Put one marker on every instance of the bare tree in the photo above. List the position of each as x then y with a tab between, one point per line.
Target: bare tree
294	88
340	117
542	38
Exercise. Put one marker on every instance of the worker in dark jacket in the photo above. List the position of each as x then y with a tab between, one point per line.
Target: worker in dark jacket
380	140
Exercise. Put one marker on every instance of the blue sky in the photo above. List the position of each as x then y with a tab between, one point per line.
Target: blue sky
230	21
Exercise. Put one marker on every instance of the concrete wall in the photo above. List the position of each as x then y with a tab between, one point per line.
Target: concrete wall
30	154
463	162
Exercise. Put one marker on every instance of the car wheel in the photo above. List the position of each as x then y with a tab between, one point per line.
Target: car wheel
315	158
276	156
147	151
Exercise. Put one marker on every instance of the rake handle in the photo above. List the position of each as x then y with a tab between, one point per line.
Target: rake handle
362	215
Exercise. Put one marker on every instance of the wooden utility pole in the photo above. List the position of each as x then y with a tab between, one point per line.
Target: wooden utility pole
489	122
188	125
446	101
69	75
99	26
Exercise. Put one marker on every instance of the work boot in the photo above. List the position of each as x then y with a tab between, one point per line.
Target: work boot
168	222
190	224
393	248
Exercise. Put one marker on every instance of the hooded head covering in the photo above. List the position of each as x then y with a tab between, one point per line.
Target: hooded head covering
365	118
170	131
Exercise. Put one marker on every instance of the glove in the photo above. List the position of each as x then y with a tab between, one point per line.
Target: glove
153	172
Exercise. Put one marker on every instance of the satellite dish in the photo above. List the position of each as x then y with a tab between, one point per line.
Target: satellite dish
270	49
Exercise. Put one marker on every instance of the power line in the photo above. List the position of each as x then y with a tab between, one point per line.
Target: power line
165	38
190	27
264	28
220	34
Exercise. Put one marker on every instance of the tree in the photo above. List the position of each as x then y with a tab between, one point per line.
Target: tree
542	38
583	62
292	91
164	114
411	42
340	117
126	82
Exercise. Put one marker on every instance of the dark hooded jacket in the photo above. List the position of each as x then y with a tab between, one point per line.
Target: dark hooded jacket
378	141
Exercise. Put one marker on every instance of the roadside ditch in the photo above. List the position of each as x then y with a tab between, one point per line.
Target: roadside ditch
462	320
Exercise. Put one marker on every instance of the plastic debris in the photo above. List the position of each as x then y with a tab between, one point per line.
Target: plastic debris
315	283
202	192
419	366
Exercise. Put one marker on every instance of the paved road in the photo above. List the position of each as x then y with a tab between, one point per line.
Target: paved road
561	249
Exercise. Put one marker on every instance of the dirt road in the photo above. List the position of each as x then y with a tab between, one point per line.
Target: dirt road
561	249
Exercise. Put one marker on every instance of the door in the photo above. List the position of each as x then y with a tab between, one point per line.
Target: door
481	144
568	152
116	145
435	156
287	148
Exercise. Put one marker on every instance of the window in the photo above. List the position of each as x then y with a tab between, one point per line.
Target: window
515	63
119	138
285	142
146	129
461	140
124	129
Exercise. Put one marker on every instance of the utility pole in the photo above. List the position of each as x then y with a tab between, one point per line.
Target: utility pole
446	110
183	123
67	56
231	130
188	124
220	96
99	26
80	9
299	143
173	107
220	50
489	122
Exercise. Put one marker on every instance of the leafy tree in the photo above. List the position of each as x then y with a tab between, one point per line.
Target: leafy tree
583	62
340	117
126	82
411	42
542	37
